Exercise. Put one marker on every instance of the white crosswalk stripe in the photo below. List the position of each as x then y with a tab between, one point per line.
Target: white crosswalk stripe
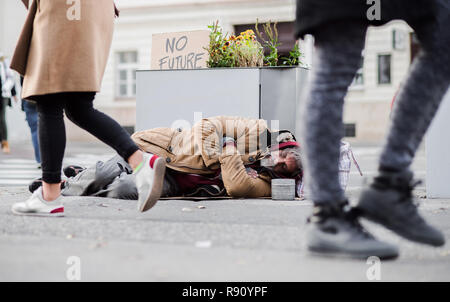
20	172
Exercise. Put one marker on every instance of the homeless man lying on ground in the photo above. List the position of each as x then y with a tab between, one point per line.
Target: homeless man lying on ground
218	156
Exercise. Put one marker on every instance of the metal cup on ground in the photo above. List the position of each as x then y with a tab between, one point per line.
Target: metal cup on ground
283	189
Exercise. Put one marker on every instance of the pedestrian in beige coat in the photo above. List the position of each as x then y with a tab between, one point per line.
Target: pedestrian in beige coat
60	49
62	53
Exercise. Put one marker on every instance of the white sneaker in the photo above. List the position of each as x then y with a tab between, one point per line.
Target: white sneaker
37	206
149	181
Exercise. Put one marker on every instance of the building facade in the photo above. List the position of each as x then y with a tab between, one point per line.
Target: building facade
385	62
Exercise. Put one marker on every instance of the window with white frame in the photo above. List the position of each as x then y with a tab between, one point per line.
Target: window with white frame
384	69
126	66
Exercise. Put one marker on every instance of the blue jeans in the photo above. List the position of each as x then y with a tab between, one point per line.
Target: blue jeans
3	128
32	119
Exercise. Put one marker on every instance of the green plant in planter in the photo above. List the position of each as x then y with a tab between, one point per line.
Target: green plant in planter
273	58
272	44
294	57
245	51
220	55
248	51
241	51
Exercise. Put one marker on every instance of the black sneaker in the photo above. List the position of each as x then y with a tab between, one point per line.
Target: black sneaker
37	183
336	231
72	171
389	201
34	185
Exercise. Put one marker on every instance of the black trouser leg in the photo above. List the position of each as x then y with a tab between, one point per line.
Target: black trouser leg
80	110
52	137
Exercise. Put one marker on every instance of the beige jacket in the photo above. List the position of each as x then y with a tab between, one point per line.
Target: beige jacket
199	150
64	48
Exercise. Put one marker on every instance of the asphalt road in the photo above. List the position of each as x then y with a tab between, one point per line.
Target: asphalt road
218	240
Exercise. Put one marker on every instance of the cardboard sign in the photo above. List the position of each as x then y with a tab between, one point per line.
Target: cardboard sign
181	50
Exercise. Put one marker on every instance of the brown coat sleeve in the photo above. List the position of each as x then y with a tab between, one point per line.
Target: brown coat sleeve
236	180
209	132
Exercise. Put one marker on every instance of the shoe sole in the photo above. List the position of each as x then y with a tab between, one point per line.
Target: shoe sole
157	186
38	214
319	252
368	212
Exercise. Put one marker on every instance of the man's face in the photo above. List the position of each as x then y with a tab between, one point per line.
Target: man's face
284	162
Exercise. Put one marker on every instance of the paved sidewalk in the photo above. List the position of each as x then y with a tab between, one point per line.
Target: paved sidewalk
232	240
227	240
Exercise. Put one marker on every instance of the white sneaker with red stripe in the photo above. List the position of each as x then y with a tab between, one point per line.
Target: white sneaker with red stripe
149	181
37	206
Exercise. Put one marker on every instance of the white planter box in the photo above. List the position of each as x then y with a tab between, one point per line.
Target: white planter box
179	98
437	144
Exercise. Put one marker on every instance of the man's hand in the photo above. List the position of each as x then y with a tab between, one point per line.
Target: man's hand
252	173
16	99
229	146
229	140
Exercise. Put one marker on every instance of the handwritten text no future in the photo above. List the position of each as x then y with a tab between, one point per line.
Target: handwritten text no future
177	57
